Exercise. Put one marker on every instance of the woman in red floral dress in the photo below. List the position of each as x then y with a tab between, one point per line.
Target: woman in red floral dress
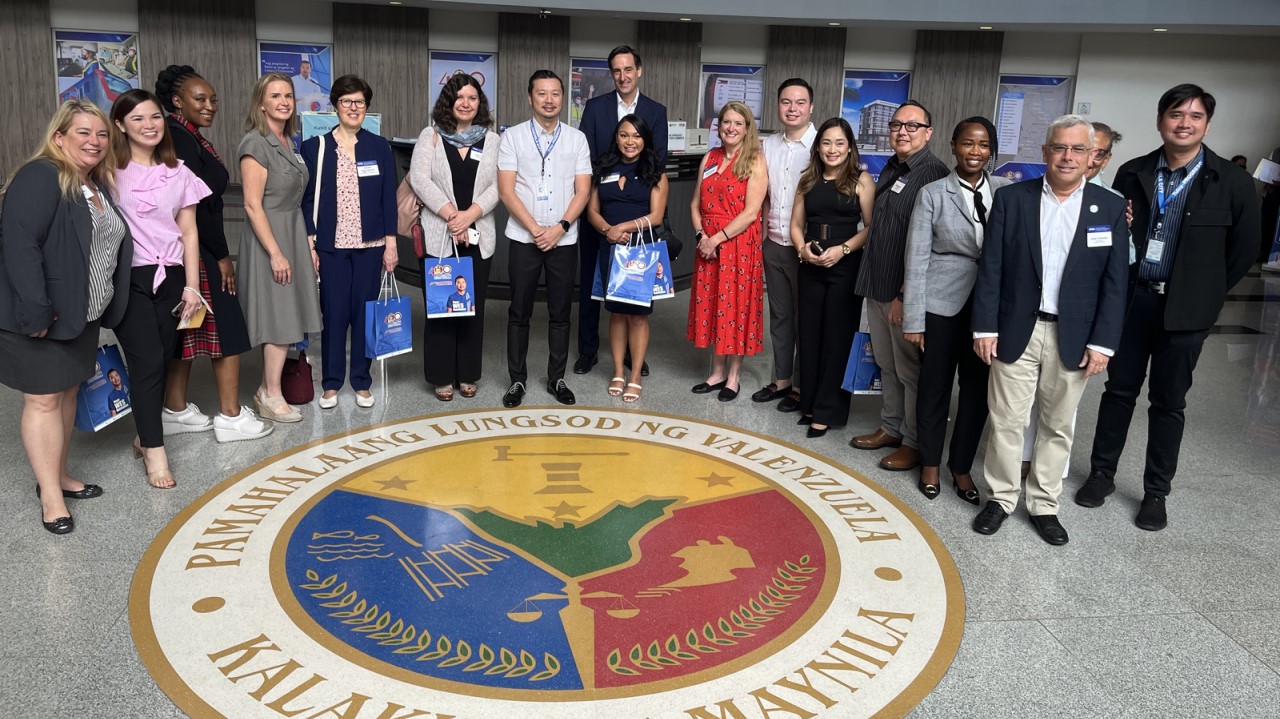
726	306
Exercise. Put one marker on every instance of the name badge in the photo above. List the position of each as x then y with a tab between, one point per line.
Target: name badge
542	192
711	170
1155	251
1099	236
475	154
610	178
367	168
898	186
298	157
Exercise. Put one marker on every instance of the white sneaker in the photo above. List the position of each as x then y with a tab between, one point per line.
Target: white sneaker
188	420
246	425
365	401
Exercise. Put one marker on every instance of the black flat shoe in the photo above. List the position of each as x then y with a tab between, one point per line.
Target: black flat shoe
585	363
791	402
61	525
726	394
704	388
89	491
644	366
815	433
930	491
805	420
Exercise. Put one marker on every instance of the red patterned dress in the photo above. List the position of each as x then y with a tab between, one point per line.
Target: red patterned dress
726	306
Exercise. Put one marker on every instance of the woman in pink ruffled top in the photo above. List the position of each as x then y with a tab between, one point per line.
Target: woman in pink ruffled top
157	195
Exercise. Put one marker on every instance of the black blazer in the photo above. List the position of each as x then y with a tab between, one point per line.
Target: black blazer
600	120
1091	299
1217	241
213	236
44	257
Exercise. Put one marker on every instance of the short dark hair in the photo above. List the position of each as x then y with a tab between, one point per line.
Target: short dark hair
442	113
624	50
983	122
928	116
348	84
1237	158
1180	94
795	82
544	75
1112	136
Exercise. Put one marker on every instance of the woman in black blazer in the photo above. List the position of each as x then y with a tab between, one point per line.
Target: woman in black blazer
350	210
65	253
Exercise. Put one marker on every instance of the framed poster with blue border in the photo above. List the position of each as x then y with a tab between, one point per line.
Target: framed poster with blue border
309	65
590	77
95	66
483	66
868	100
1025	106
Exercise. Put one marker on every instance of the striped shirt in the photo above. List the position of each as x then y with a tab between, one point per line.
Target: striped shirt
1173	213
884	258
104	250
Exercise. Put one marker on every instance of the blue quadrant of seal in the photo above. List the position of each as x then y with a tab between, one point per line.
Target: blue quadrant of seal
421	567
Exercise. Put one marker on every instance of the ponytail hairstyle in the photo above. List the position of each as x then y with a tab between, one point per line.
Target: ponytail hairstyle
169	84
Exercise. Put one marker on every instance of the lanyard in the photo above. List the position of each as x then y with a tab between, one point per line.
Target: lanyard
1161	201
538	143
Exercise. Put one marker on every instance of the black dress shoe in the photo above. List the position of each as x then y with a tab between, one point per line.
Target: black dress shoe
585	363
1050	529
930	491
814	433
89	491
769	393
990	518
805	419
1095	490
968	495
704	388
1151	515
726	394
514	395
562	393
61	525
790	403
644	366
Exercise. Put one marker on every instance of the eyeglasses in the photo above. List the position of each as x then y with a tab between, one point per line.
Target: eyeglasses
1101	153
349	103
1060	149
910	127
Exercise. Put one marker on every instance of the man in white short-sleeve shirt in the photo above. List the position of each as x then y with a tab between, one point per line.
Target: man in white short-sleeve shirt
544	180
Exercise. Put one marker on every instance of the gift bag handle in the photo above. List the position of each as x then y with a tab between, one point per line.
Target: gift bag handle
390	289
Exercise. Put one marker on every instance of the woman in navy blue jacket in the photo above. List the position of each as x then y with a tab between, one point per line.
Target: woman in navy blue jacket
350	210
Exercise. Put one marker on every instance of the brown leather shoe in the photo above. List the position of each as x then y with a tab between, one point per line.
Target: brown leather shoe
876	440
902	460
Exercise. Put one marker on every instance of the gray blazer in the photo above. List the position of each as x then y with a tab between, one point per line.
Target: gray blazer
431	178
44	257
942	252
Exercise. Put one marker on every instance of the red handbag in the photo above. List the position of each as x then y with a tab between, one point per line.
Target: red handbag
295	380
408	216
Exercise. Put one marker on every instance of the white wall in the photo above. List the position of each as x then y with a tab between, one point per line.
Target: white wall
1040	53
1124	75
879	49
734	44
303	21
112	15
463	31
594	37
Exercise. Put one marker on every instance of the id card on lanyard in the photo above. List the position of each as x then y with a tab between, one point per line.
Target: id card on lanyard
542	191
1155	245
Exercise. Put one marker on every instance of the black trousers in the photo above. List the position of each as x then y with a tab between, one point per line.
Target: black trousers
525	265
1172	357
827	316
948	347
148	334
454	346
588	309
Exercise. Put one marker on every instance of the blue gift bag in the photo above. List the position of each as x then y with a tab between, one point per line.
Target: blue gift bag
387	322
447	284
104	397
861	373
631	272
597	284
663	285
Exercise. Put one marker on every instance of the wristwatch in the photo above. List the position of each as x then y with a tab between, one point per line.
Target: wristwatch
845	248
564	224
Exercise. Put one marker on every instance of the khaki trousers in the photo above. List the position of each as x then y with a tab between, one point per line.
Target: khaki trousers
1037	376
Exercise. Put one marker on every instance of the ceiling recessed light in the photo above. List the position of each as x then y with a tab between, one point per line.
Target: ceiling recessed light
686	19
393	2
984	27
1159	29
834	24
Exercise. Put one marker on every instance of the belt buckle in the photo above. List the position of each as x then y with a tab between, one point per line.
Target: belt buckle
823	231
1158	287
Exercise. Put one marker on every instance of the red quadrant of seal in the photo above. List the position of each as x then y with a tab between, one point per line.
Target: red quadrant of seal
714	582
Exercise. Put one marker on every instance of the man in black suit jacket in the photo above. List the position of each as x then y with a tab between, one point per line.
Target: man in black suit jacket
1048	310
599	122
1196	226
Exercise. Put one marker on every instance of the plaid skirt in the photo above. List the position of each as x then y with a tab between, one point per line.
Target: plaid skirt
202	341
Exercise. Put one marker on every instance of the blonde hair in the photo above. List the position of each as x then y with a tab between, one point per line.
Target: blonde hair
68	175
750	147
256	120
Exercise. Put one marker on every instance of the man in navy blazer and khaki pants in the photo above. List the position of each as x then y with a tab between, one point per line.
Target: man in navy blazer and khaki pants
1048	314
599	122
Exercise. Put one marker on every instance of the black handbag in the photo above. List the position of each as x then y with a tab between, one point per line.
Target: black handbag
674	244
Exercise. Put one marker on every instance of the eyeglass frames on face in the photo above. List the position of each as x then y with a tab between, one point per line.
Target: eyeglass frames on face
910	127
349	103
1078	150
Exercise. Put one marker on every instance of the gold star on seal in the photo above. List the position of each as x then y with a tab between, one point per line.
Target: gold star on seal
395	483
564	509
714	479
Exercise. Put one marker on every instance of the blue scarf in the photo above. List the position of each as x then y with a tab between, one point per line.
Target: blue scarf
466	138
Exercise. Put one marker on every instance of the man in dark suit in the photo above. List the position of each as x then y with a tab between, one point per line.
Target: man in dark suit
599	122
1048	311
1196	226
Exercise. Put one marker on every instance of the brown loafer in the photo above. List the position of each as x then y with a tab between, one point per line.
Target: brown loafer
876	440
902	460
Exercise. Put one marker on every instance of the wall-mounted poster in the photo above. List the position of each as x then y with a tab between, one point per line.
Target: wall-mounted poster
95	66
590	78
1026	106
310	67
869	100
483	66
722	83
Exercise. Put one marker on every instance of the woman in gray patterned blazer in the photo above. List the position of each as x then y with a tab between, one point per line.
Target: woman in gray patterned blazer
943	246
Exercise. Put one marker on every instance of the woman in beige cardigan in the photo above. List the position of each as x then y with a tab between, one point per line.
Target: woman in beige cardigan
455	173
